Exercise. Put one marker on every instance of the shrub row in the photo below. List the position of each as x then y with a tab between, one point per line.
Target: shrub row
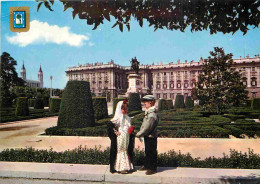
255	104
39	103
88	131
83	155
31	116
22	107
164	104
54	104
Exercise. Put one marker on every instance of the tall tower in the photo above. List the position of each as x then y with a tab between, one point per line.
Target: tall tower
23	72
40	77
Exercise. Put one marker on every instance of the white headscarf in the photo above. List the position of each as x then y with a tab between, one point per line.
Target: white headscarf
118	117
118	113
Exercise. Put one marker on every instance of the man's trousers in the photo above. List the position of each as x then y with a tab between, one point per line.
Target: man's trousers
150	153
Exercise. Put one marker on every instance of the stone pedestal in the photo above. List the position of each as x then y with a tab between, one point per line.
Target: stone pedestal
134	84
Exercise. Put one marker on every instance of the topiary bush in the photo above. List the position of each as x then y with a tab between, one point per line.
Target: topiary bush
22	108
189	103
179	101
163	105
76	109
115	101
134	102
100	107
169	104
54	105
255	104
31	102
39	104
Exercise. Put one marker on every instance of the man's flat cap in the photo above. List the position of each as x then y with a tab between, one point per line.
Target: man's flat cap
148	98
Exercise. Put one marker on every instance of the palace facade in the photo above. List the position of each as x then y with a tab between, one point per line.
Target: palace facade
162	80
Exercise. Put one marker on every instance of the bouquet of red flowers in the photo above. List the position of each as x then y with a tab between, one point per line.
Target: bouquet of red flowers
131	129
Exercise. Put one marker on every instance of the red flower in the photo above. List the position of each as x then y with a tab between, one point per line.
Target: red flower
125	101
131	129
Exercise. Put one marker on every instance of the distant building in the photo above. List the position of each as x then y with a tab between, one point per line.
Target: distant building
163	81
32	83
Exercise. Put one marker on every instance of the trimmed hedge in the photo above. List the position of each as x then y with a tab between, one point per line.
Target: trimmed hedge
134	102
179	101
115	101
54	105
169	104
76	110
22	107
31	102
255	104
39	104
84	155
162	105
8	114
100	107
189	103
234	117
248	103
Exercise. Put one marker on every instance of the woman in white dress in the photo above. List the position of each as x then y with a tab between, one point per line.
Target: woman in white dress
122	124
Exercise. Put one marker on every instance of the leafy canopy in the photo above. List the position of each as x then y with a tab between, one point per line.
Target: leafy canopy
215	15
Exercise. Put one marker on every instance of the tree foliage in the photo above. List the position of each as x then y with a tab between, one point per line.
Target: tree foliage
8	79
219	85
215	15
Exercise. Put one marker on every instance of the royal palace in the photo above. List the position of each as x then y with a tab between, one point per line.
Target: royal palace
161	80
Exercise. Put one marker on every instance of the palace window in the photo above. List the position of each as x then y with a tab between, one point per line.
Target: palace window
253	82
164	86
172	85
178	85
172	95
165	96
253	69
158	74
158	96
185	85
171	73
164	73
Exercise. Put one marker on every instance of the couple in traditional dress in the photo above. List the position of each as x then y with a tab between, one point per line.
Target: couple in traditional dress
122	136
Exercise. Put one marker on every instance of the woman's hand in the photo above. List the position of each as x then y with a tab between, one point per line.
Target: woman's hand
118	133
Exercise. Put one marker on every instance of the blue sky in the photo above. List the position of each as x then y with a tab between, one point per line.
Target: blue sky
53	46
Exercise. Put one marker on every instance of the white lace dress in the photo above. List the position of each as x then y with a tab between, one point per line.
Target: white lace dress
123	162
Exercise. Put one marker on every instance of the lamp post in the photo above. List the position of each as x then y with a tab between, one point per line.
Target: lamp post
51	87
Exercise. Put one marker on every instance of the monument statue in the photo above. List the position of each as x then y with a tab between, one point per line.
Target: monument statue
135	65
